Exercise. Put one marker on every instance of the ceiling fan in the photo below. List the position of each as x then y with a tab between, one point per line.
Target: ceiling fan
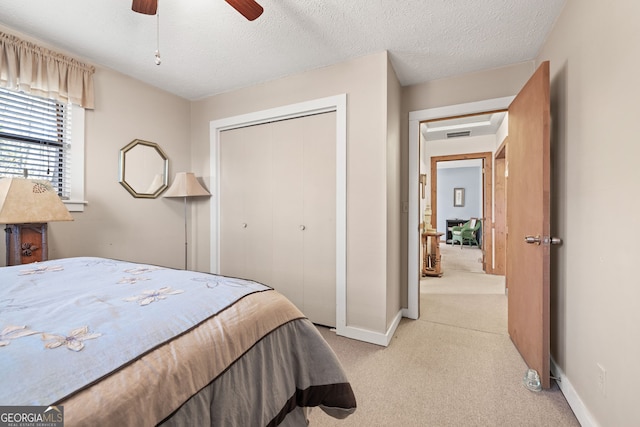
248	8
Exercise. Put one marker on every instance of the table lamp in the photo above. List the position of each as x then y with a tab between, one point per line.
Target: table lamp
26	206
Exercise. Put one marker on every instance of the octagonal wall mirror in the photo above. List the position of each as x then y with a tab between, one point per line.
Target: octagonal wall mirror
144	169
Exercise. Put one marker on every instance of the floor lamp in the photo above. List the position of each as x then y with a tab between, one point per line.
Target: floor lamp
185	185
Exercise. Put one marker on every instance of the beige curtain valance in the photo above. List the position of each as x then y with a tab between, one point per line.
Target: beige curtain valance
42	72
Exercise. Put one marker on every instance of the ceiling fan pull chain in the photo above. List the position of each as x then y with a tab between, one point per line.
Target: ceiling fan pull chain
157	54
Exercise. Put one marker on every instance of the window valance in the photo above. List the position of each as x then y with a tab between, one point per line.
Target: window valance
42	72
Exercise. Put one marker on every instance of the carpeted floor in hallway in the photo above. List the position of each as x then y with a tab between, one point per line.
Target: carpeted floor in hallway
455	366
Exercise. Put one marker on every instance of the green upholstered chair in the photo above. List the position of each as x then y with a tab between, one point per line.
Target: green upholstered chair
466	233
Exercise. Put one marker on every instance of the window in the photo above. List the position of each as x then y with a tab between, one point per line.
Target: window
37	141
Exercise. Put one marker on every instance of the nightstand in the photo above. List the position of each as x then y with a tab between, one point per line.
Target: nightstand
26	243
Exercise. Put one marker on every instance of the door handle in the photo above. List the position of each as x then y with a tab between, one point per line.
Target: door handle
536	240
244	225
302	228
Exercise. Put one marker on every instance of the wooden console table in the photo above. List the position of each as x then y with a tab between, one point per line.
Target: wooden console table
431	265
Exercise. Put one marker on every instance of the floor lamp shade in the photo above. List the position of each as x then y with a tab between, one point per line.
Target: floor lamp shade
185	185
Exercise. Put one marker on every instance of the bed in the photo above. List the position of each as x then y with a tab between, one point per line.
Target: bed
121	343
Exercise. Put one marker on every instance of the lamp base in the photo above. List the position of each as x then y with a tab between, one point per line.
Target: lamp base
26	243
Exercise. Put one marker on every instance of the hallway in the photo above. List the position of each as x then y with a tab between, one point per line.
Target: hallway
455	366
462	274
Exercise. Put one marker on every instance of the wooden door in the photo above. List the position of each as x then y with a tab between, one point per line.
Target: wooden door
528	207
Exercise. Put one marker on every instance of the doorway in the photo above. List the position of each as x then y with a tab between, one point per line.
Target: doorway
416	165
529	240
485	235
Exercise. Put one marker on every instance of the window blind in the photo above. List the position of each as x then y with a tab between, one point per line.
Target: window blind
35	135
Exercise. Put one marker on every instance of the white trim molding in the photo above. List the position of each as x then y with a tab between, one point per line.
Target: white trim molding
336	103
577	405
383	339
76	200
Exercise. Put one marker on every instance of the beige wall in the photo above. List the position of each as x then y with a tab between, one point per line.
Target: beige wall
595	150
394	198
488	84
115	224
364	80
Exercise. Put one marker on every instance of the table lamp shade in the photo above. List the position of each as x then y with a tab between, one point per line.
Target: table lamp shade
185	184
24	201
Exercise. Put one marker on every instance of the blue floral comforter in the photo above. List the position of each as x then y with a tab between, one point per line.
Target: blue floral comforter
64	323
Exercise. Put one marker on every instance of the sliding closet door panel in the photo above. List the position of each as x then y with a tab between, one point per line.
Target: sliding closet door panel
319	211
245	200
232	187
287	210
277	210
258	205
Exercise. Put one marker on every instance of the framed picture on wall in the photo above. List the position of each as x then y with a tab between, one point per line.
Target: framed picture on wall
458	197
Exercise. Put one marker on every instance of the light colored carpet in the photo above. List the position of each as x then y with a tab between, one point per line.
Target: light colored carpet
463	282
464	259
462	274
455	366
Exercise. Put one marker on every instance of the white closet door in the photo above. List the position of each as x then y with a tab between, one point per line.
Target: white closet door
288	261
232	189
319	213
258	205
277	215
245	195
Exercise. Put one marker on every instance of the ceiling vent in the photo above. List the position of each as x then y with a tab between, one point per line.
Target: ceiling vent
458	134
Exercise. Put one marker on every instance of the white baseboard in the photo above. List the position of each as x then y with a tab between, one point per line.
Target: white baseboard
577	406
371	336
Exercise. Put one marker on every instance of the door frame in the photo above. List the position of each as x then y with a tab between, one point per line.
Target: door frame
487	202
337	103
500	210
413	222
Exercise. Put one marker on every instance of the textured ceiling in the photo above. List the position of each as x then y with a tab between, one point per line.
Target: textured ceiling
208	48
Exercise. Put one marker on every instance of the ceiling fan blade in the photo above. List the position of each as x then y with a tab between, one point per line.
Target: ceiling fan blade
148	7
248	8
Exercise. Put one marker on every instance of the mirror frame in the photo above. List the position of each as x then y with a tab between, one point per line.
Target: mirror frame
123	169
